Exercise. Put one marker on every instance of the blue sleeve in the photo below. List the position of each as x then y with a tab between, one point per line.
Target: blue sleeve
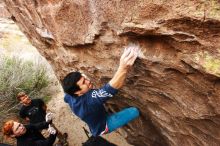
69	100
66	98
101	95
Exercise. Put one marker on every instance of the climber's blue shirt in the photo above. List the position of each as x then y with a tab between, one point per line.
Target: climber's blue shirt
89	107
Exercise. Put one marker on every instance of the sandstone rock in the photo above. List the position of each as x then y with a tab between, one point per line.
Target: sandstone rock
3	11
175	83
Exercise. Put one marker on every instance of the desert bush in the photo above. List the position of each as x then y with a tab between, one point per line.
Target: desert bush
15	76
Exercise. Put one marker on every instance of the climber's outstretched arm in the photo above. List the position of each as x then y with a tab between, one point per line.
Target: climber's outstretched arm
126	61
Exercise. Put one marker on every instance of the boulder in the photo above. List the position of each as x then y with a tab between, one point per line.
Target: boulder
175	82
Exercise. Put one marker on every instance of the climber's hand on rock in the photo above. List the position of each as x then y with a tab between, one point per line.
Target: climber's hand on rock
129	56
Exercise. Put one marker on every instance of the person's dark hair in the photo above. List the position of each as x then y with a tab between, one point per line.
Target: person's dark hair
69	83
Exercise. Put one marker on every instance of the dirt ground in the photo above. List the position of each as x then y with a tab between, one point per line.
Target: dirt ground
67	122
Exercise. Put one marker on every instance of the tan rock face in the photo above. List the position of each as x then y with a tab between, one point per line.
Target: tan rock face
3	11
175	83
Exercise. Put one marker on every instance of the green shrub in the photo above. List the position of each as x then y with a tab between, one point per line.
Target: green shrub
15	76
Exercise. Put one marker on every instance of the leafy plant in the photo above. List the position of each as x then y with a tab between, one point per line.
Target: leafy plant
15	76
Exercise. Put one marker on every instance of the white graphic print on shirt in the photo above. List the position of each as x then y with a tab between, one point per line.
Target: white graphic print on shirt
100	93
